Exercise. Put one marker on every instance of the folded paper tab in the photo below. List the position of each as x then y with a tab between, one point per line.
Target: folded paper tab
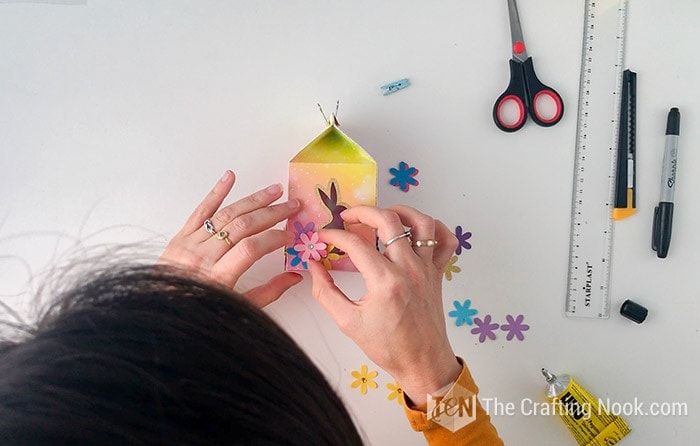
331	174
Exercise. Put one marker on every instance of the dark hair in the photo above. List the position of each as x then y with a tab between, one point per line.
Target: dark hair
148	355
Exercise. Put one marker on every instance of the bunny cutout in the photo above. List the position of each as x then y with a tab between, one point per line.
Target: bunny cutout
331	203
335	208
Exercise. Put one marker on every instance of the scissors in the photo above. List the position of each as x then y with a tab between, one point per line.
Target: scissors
526	91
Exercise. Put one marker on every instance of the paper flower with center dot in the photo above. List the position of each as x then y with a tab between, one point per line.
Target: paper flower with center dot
364	379
484	328
395	394
463	312
310	246
403	177
515	327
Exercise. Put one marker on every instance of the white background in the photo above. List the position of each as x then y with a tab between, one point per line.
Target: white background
116	117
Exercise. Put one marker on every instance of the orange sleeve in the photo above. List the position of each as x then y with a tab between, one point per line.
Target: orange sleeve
459	410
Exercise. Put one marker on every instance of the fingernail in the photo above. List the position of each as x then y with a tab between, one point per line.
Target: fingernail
226	175
274	189
293	204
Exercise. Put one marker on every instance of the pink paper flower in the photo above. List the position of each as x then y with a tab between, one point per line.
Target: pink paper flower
310	247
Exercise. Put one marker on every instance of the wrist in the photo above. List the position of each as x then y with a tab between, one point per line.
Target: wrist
430	379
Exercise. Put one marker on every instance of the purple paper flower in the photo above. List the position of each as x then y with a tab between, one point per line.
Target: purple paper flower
403	176
485	329
515	327
462	237
463	313
299	229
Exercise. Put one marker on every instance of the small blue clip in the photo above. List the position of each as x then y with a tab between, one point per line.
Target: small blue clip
393	87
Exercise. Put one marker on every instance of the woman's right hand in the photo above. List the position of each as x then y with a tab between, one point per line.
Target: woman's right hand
247	234
399	323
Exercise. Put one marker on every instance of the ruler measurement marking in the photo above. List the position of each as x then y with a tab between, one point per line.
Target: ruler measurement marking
590	246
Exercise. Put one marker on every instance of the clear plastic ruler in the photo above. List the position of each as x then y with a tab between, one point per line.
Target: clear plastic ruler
590	245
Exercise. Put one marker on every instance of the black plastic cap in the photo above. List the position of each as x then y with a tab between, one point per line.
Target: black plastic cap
633	311
673	122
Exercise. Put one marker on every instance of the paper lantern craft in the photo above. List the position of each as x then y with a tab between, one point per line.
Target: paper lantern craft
329	175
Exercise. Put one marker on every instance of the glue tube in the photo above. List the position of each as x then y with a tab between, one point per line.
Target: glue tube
586	418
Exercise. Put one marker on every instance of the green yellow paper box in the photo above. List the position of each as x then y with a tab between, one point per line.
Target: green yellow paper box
331	174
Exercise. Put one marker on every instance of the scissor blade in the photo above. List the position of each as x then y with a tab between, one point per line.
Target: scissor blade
516	33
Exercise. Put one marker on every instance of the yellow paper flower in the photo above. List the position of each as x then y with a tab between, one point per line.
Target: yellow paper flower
363	379
330	256
395	394
451	268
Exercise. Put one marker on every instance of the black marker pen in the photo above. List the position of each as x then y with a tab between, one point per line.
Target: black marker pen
663	214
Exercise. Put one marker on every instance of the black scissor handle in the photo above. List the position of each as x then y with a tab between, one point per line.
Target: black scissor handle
525	89
537	89
515	93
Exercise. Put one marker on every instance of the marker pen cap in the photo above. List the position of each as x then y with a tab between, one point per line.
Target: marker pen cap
673	122
633	311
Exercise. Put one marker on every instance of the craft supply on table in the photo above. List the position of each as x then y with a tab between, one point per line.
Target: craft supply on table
595	159
633	311
663	213
393	87
587	418
625	180
525	91
404	176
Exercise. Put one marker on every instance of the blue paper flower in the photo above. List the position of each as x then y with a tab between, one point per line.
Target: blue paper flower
463	313
296	258
403	176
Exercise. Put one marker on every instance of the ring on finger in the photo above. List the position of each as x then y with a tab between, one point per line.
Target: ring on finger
406	233
223	235
209	226
220	235
424	243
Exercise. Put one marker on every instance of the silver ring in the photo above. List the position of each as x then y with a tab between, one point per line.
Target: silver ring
209	227
425	243
406	233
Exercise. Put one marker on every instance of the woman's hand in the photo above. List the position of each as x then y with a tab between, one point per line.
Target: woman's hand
248	237
399	323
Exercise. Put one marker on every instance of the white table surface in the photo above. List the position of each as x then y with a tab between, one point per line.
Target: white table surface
116	117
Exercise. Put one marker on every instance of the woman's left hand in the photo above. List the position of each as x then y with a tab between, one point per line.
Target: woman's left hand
241	236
